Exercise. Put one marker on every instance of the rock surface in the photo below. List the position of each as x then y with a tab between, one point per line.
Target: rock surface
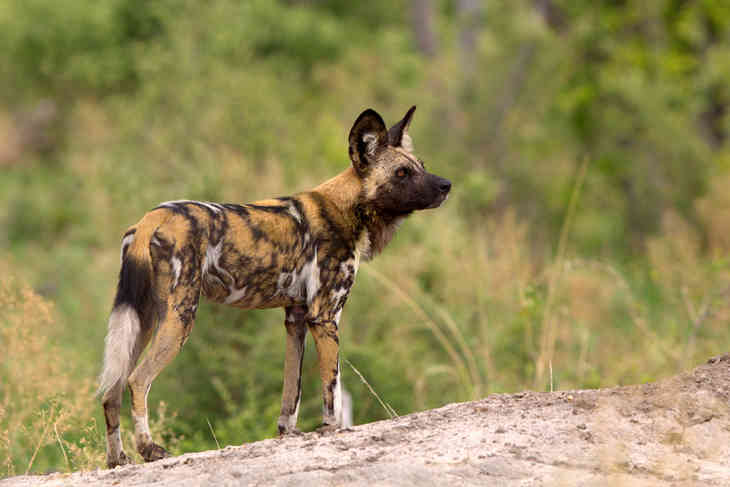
672	432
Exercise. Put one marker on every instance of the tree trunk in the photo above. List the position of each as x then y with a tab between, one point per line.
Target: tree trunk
469	23
423	27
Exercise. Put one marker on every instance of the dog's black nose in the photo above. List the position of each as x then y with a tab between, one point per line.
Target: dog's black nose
445	186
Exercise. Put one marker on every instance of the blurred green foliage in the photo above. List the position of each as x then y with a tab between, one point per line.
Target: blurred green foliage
236	101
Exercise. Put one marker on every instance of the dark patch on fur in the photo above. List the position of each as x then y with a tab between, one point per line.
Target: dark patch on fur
122	460
135	284
276	209
332	385
111	415
240	210
369	122
152	452
395	133
418	191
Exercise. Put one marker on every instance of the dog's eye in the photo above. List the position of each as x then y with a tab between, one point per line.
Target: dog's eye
402	172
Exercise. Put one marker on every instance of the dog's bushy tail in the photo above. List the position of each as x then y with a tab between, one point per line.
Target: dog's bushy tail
124	330
129	317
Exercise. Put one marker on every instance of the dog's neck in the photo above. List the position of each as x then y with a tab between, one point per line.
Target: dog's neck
378	227
343	190
372	230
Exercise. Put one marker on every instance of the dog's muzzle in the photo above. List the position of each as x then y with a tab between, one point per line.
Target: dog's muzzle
443	187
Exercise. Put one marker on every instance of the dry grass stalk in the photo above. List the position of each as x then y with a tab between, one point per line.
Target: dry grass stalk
391	412
549	326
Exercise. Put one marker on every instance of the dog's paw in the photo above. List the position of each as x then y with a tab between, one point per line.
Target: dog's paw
116	462
289	432
152	452
328	428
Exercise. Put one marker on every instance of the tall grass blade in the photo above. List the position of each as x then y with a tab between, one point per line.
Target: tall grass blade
391	412
549	329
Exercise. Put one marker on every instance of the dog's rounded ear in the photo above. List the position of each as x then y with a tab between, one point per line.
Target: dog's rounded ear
368	137
398	133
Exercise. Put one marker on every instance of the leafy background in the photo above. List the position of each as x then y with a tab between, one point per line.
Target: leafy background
585	243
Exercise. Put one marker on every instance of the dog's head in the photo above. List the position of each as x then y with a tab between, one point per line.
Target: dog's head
394	180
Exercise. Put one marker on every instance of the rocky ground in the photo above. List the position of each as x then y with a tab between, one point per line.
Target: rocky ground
672	432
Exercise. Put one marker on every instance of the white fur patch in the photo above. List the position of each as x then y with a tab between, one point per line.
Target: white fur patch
354	263
124	328
295	213
337	295
114	444
310	273
176	268
346	409
214	207
302	284
126	242
291	420
338	315
236	294
407	142
141	427
173	203
212	261
336	417
285	284
371	142
212	258
363	248
337	399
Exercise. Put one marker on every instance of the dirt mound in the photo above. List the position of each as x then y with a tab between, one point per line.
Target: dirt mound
672	432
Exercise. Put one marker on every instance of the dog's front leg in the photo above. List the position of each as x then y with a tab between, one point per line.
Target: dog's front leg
326	338
296	332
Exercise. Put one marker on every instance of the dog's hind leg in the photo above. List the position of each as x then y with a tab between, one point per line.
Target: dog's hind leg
112	402
175	326
296	332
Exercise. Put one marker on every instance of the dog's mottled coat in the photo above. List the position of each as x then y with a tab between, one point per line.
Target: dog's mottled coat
300	253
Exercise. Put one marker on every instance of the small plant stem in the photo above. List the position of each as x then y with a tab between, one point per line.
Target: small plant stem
457	360
549	332
551	376
60	444
40	443
213	433
391	412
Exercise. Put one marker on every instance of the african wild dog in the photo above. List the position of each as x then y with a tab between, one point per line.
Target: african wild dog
300	253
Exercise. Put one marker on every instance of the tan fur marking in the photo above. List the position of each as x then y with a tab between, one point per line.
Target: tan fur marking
326	340
296	330
144	231
342	190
